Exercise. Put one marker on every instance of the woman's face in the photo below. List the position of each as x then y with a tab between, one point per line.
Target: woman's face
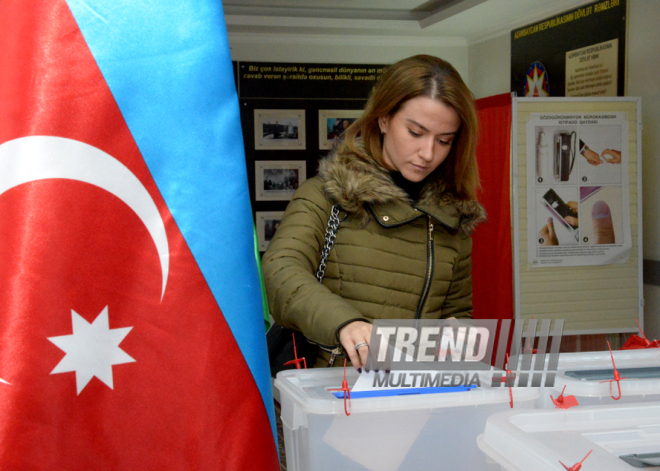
418	138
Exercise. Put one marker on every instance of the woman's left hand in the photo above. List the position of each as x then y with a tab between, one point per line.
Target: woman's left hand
356	334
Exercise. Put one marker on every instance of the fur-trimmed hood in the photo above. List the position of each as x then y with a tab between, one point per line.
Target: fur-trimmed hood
356	184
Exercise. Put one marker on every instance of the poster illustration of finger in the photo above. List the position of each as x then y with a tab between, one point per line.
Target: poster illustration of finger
578	189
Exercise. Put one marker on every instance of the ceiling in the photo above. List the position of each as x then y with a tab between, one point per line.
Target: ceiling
471	21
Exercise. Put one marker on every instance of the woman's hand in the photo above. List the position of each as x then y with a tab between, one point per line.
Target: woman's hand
592	157
572	220
615	156
547	234
357	333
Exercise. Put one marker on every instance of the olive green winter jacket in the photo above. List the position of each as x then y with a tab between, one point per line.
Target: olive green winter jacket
390	259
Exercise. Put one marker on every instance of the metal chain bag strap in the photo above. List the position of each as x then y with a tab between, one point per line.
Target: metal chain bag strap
281	340
330	236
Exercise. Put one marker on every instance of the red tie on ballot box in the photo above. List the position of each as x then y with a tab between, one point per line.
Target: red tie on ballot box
576	466
131	326
636	342
564	402
616	376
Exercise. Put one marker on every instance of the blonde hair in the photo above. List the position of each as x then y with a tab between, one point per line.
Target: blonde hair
423	76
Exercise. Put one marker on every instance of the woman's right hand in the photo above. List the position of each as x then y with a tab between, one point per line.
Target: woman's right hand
592	157
547	234
356	333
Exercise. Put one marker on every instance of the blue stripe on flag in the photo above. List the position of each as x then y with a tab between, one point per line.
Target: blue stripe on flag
168	65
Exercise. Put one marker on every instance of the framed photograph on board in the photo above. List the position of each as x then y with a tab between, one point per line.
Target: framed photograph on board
277	180
332	124
267	224
279	129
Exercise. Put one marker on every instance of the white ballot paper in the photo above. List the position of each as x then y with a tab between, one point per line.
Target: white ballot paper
415	380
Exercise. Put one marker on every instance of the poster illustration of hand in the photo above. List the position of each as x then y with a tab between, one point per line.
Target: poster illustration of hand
578	189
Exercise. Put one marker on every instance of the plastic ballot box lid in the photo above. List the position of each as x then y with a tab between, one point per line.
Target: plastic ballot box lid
619	437
588	376
409	431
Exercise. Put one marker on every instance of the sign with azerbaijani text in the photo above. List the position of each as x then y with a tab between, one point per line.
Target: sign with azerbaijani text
591	71
579	52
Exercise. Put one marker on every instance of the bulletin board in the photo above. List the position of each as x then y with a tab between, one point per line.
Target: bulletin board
578	53
292	114
577	212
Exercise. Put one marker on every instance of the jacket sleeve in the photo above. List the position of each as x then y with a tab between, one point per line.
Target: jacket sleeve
458	302
295	298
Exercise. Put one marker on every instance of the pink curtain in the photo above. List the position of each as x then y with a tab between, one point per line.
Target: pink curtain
492	270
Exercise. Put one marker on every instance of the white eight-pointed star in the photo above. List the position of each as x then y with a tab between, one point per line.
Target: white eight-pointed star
536	82
91	350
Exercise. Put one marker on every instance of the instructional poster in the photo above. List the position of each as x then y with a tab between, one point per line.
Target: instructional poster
578	189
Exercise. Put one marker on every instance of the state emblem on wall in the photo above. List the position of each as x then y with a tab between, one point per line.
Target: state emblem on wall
536	81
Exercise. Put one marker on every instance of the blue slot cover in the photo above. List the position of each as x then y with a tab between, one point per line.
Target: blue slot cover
403	391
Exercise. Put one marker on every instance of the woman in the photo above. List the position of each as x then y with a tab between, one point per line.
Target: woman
405	180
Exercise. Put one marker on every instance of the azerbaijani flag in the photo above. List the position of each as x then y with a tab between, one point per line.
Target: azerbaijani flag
131	323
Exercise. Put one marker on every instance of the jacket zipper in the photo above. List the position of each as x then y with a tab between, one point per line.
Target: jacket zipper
333	355
334	351
430	255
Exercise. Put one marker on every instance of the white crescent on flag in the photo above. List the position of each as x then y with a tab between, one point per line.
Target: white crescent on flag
35	158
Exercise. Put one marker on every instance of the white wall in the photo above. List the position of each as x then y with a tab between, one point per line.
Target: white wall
489	64
643	72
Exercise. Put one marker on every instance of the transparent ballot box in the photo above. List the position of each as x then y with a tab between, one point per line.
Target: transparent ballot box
616	437
404	432
588	375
